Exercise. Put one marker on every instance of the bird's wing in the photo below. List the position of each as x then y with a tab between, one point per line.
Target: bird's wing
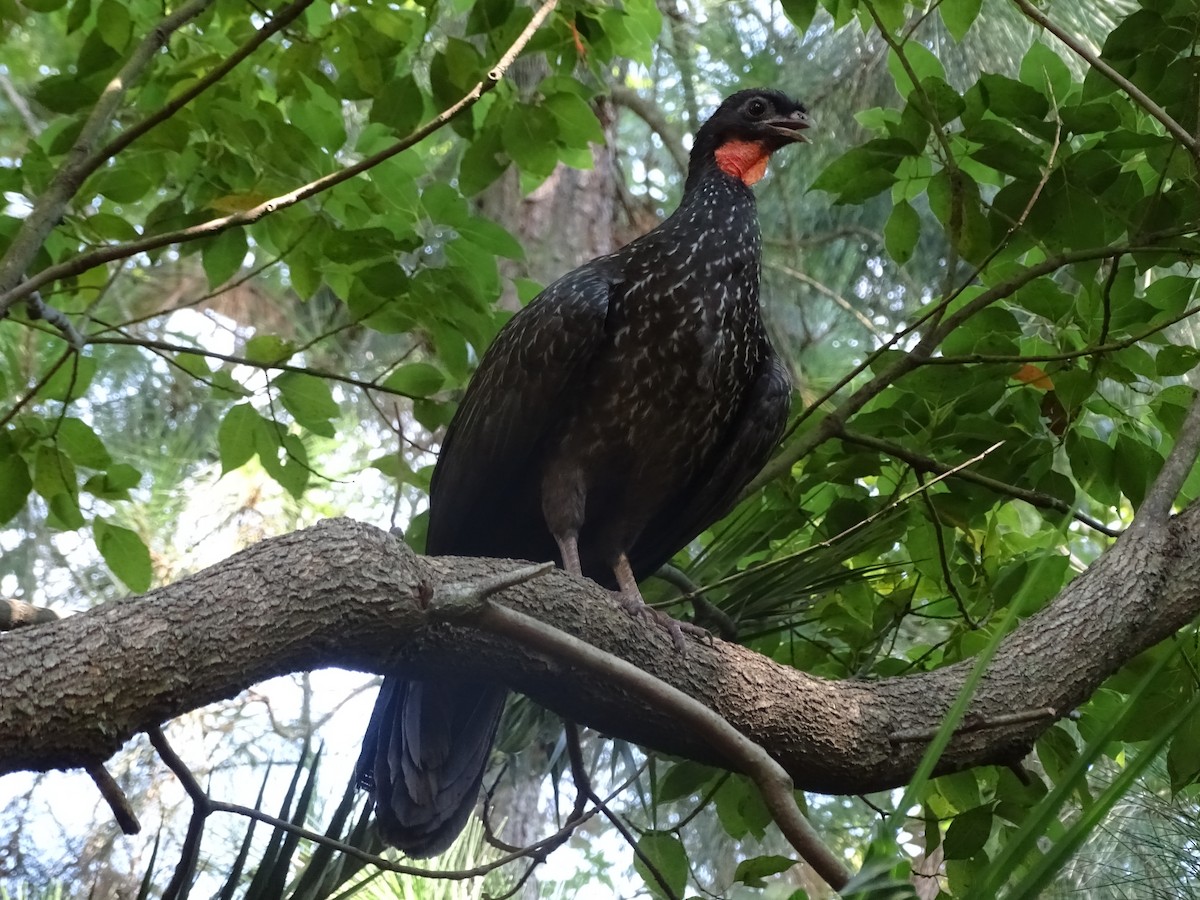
713	491
485	488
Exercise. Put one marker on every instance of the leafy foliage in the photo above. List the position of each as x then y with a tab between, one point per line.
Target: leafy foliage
991	276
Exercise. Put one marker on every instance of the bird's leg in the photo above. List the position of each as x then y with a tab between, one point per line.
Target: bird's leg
568	549
630	597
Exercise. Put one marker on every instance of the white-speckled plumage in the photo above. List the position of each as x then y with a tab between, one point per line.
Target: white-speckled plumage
626	407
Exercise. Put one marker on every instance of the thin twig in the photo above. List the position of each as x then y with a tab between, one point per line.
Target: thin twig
461	597
928	464
584	785
126	818
654	119
18	103
773	782
33	391
189	853
944	554
234	359
40	309
694	594
212	227
828	292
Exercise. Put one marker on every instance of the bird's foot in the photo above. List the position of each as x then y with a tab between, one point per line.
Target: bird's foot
636	606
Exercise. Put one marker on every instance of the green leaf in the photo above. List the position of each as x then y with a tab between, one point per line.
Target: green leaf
268	349
901	232
1176	360
863	171
236	436
577	122
82	444
481	163
752	871
1044	70
111	227
530	135
223	256
415	380
78	15
665	852
800	13
922	62
125	553
400	106
114	24
454	71
947	104
122	184
72	379
65	514
284	457
968	833
684	779
309	400
54	473
114	484
959	15
491	237
1010	99
1183	758
15	485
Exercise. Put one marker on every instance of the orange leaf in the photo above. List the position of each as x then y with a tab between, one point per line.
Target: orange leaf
1034	377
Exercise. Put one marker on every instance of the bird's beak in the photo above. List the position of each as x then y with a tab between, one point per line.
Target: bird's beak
791	126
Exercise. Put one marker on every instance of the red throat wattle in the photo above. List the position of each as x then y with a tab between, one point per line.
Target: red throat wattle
746	160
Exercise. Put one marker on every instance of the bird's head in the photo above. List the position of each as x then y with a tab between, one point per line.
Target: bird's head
746	129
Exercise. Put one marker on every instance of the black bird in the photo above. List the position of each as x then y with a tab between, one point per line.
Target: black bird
611	421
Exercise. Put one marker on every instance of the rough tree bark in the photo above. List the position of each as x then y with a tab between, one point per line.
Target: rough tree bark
347	594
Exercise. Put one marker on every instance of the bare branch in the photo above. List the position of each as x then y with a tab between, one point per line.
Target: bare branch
351	598
126	818
773	782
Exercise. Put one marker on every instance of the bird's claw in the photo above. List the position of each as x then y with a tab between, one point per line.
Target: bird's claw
636	606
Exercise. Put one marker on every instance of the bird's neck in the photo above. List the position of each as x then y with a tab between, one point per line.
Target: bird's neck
721	200
744	160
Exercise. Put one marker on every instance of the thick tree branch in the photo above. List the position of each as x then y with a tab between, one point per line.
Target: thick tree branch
345	594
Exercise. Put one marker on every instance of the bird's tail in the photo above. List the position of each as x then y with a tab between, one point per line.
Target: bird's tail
423	758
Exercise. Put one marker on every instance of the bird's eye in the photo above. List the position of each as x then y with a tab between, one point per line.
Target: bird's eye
756	107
